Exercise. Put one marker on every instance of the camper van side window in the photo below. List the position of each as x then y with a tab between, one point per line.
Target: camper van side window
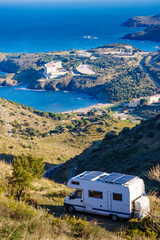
117	196
95	194
75	183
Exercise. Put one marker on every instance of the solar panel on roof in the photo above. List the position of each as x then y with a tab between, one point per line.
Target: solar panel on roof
91	175
124	179
84	173
112	177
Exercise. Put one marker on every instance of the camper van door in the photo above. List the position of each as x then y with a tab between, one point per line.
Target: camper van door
76	199
109	200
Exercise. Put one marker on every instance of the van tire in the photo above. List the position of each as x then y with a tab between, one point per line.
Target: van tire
70	209
114	218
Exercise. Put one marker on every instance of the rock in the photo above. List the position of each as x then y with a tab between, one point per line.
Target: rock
45	85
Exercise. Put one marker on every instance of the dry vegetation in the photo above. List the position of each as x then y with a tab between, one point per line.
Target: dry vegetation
41	216
154	173
56	138
132	151
21	220
152	63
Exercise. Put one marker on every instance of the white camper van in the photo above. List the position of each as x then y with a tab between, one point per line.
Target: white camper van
112	194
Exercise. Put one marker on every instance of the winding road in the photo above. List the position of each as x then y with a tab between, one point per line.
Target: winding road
6	121
49	173
146	71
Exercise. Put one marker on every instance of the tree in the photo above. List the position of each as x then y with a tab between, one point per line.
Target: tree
25	170
143	101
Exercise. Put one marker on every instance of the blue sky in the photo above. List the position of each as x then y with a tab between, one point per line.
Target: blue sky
80	1
83	3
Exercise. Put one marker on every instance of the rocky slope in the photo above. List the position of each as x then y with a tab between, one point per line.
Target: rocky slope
132	151
142	21
150	34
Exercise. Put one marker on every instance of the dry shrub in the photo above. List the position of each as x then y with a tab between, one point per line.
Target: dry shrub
154	173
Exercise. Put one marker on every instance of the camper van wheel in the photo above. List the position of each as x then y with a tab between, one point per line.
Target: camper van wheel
70	208
114	217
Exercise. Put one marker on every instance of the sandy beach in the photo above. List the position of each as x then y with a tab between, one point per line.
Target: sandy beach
87	109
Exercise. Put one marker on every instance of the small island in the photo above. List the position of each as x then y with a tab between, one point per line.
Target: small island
90	37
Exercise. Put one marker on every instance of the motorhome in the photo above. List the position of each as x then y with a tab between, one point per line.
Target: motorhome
113	194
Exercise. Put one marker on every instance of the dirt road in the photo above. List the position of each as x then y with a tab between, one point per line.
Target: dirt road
9	133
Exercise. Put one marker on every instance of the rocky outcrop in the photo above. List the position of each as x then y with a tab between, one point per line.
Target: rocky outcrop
142	21
7	83
43	85
98	92
150	34
9	66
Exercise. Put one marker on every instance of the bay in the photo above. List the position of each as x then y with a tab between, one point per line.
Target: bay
42	28
47	100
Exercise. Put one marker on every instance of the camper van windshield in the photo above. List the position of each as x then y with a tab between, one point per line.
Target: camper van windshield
77	194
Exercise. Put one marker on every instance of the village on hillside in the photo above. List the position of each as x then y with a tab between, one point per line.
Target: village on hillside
55	69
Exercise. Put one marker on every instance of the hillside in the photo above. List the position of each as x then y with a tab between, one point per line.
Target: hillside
55	137
150	34
142	21
132	151
151	64
118	73
41	215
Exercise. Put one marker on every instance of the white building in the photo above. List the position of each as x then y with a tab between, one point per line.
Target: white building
150	99
53	69
153	99
129	47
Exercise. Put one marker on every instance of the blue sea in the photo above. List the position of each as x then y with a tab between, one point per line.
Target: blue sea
60	101
47	27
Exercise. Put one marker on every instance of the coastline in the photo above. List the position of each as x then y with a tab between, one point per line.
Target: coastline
87	109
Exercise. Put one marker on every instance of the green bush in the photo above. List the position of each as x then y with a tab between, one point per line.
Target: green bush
125	130
100	130
109	135
145	228
140	135
150	134
158	124
19	210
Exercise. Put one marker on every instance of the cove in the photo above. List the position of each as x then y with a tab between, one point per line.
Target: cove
50	101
